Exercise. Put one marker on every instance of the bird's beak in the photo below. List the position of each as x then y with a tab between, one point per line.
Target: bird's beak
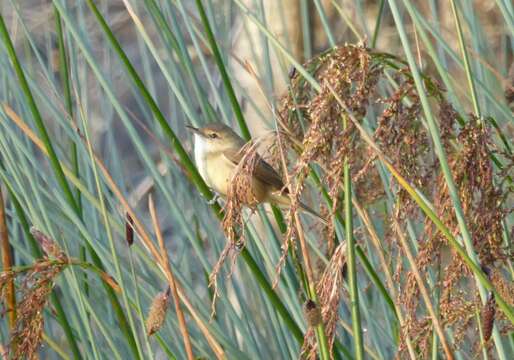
194	129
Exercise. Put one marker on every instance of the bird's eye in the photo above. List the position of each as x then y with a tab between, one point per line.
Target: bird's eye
213	135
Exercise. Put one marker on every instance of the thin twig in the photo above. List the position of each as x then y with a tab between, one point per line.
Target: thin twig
165	262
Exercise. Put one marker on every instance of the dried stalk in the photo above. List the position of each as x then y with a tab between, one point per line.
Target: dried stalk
171	279
325	351
10	294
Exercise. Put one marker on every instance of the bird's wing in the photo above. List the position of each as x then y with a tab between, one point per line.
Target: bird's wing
263	171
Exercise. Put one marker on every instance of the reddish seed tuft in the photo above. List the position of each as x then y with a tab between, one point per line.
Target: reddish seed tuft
48	245
35	291
487	317
129	229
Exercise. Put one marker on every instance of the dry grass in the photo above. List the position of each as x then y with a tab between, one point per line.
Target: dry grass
36	282
313	133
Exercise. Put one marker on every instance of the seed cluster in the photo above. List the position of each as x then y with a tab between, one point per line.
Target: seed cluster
317	121
36	283
316	133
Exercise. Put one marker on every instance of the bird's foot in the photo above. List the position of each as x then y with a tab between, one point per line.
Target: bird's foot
214	199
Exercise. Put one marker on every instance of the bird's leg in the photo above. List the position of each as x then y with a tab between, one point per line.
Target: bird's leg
214	199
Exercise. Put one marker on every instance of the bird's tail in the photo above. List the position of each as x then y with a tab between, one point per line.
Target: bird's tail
313	213
284	200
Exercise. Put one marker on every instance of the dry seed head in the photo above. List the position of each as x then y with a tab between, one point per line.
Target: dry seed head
353	73
487	317
48	245
312	313
36	288
239	194
157	313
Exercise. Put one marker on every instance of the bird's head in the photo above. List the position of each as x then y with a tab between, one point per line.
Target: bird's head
216	137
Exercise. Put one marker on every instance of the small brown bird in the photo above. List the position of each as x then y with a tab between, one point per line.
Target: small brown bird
218	151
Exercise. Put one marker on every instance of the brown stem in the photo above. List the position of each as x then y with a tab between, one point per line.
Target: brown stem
171	279
10	295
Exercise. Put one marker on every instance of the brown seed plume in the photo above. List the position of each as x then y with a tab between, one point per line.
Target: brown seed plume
312	313
487	317
48	245
157	312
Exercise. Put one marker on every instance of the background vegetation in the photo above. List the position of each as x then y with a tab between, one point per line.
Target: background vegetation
403	140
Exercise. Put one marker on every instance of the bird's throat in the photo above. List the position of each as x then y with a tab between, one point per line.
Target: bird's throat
201	151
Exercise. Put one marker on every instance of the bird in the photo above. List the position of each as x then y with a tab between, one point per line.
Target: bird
218	150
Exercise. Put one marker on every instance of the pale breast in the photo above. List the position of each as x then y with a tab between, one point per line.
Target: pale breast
215	170
219	172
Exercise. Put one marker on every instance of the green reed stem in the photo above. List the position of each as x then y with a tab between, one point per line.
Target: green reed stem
465	57
352	268
56	166
377	25
194	176
65	81
182	53
223	72
360	253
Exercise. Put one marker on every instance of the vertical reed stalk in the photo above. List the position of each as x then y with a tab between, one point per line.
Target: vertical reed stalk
320	333
223	72
65	82
378	23
465	57
7	262
171	278
352	268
